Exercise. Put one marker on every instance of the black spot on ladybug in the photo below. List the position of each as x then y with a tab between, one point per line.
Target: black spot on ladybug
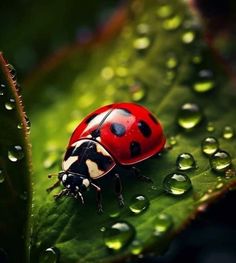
90	118
95	133
117	129
135	148
153	118
144	128
124	112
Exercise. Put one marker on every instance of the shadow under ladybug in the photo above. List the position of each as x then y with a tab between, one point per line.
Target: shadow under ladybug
113	136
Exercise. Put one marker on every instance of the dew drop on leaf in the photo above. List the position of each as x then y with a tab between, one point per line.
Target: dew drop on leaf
136	247
118	235
15	153
177	184
2	179
210	127
220	161
205	81
50	255
189	116
141	43
185	161
172	141
10	104
188	37
163	223
172	23
2	89
210	145
164	11
228	132
138	204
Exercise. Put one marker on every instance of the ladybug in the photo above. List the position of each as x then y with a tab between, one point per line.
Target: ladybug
115	135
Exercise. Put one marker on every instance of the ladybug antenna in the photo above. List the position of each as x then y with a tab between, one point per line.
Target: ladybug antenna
52	175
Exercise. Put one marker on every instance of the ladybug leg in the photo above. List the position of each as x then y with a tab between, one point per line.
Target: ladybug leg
99	198
140	176
53	186
62	193
118	190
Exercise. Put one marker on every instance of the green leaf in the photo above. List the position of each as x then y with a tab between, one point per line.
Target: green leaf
15	183
135	66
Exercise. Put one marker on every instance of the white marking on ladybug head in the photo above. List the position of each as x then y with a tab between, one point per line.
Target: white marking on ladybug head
66	164
94	172
98	139
64	177
101	150
86	182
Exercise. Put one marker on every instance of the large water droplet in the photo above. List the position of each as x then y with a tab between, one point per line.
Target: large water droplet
163	223
172	23
185	161
2	89
138	204
118	235
2	179
189	116
10	104
220	161
50	255
228	132
210	145
205	81
177	184
15	153
141	43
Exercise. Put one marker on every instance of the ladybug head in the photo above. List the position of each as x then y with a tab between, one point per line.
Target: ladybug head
75	183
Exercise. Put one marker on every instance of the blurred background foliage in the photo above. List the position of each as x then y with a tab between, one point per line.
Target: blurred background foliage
32	32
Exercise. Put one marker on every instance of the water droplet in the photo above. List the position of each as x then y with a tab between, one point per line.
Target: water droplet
164	11
50	255
141	43
220	161
163	223
219	186
12	71
205	81
15	153
172	23
210	127
107	73
185	161
171	62
230	173
28	123
118	235
188	37
189	116
228	132
2	179
143	29
136	247
210	145
102	229
20	126
138	204
172	141
10	105
2	89
137	91
177	184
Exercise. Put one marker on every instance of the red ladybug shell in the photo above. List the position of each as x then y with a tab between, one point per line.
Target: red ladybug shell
128	131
